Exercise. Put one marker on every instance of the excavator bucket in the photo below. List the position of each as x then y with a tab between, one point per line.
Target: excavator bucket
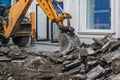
68	43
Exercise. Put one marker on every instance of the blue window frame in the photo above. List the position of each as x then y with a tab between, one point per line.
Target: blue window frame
54	28
57	9
98	16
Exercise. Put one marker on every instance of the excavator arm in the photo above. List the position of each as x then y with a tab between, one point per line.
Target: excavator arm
67	38
16	14
18	11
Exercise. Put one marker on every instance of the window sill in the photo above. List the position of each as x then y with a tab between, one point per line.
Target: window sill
96	33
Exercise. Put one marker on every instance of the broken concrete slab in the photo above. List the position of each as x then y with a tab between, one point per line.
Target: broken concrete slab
78	70
5	59
78	77
83	52
90	51
114	77
72	65
5	50
105	47
115	65
16	50
108	37
45	77
46	54
73	71
86	52
10	78
94	60
71	56
108	57
66	62
114	46
95	72
56	60
16	53
98	41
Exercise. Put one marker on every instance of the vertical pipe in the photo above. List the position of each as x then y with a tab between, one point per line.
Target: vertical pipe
33	33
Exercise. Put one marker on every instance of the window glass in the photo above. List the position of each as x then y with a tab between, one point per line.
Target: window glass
57	8
98	14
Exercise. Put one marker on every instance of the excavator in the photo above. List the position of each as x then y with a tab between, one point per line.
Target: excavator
17	27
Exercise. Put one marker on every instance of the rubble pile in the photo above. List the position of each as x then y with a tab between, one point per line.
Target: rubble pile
97	61
11	52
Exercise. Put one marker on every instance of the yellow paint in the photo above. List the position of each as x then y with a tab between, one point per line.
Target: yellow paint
32	18
21	7
16	11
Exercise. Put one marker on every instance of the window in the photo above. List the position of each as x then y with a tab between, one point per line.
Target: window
54	28
57	8
98	15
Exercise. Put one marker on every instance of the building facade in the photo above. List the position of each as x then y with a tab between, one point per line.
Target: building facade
90	18
94	18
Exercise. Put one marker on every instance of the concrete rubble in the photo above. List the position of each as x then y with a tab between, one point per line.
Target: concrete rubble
97	61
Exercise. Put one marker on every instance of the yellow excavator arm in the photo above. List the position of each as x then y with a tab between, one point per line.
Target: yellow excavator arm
51	13
16	14
18	11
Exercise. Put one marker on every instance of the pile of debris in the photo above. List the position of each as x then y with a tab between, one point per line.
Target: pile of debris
11	52
97	61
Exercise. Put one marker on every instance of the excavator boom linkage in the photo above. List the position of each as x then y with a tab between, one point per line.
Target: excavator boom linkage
67	38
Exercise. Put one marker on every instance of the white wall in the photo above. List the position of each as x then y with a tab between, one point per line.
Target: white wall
32	8
77	8
71	6
116	17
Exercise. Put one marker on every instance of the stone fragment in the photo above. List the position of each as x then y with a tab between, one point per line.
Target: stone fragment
90	51
108	57
16	53
95	72
98	41
45	77
56	60
114	46
5	50
114	77
5	59
77	70
72	65
71	56
78	77
83	52
73	71
115	65
86	51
